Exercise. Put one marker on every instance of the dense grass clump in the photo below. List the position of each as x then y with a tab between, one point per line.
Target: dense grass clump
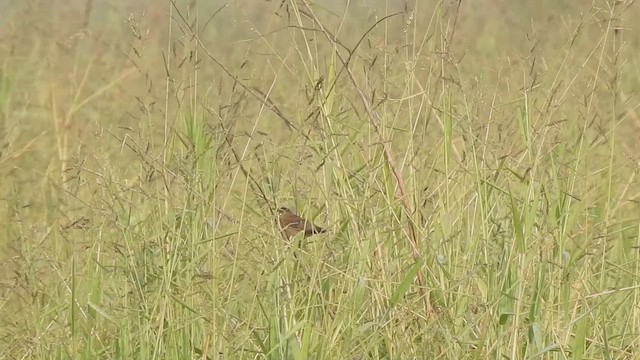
475	164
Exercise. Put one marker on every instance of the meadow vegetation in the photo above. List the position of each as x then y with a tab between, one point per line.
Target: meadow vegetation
475	162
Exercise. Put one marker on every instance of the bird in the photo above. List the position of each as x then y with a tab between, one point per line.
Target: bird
292	224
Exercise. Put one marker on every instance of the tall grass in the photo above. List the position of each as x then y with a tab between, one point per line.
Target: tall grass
474	162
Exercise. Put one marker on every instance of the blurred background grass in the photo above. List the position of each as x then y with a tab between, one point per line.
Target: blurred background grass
475	163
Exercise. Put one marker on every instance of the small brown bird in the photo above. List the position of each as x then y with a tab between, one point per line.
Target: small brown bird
292	224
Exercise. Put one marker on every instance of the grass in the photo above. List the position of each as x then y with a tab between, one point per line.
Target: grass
475	162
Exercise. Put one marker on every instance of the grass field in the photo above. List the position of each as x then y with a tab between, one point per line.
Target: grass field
475	162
